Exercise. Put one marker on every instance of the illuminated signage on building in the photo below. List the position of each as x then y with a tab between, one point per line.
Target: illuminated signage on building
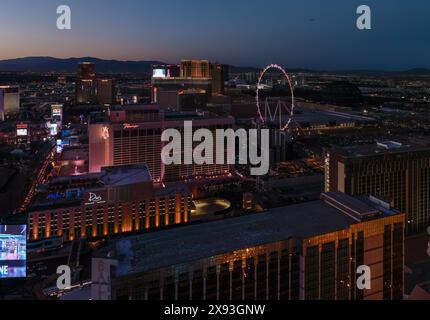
57	112
159	73
21	132
130	126
105	133
94	199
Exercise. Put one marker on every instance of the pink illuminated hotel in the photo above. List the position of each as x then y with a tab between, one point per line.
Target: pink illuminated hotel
132	134
127	189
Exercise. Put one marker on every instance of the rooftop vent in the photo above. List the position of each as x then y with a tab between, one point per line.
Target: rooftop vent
389	145
353	207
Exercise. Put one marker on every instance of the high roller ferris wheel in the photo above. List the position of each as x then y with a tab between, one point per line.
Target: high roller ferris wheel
266	115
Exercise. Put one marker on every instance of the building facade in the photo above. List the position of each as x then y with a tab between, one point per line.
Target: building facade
132	135
105	91
118	200
398	172
201	75
195	69
285	254
9	100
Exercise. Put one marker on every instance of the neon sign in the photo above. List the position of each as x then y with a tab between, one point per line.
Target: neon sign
94	199
130	126
105	133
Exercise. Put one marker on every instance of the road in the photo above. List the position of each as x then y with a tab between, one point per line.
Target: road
40	177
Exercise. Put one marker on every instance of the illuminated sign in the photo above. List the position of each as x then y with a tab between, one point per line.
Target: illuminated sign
22	126
53	129
94	199
57	111
13	248
21	132
105	133
130	126
159	73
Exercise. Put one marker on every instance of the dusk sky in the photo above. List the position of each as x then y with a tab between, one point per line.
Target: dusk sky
295	33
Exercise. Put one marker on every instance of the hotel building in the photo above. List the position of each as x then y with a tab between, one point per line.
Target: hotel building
117	200
309	251
85	84
400	173
90	89
86	70
9	101
201	75
105	91
132	134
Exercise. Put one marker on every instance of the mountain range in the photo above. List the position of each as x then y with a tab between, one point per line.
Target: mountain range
50	64
69	65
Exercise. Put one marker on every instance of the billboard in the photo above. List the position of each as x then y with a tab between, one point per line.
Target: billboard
159	73
21	132
13	251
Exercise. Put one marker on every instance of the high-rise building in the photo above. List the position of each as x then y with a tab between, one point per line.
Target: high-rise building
199	75
195	69
1	105
62	80
401	173
219	77
86	70
309	251
105	91
85	91
9	100
85	83
132	134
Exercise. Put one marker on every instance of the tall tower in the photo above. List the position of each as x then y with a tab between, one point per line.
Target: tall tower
85	84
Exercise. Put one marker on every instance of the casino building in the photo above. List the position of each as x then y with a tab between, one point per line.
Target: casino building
190	76
393	170
309	251
117	200
132	134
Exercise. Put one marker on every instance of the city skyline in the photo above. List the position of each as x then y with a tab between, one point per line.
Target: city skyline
233	154
321	38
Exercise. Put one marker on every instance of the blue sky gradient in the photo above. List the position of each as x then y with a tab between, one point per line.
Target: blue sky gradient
311	34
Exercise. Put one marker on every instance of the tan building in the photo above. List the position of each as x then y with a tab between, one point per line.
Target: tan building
195	69
116	200
9	100
400	173
105	91
309	251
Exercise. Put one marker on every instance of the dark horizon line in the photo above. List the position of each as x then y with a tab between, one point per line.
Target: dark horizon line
352	70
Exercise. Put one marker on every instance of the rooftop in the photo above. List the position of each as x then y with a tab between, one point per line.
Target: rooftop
68	191
148	252
383	147
125	175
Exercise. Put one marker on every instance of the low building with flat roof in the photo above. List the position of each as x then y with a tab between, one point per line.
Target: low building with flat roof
116	200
